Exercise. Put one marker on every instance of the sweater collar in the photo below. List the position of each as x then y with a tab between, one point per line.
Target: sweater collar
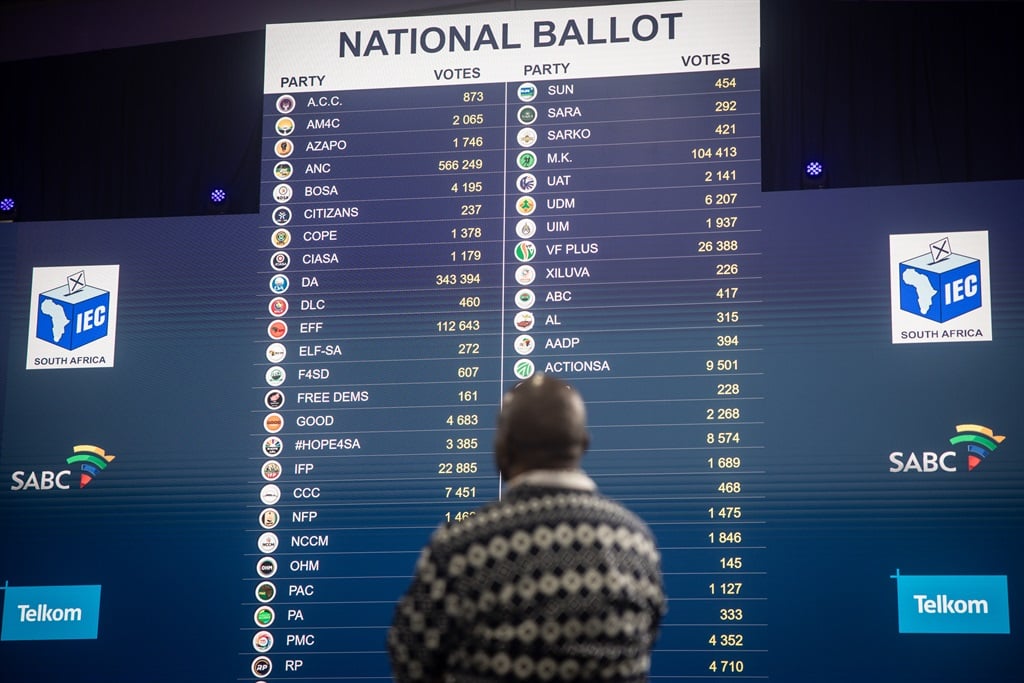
563	479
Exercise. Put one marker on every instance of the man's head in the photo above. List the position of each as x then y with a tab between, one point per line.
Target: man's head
542	425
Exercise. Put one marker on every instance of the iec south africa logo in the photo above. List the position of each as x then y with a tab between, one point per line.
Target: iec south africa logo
73	317
940	287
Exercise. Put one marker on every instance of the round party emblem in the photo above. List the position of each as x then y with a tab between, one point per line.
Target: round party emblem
282	193
285	125
526	160
269	518
524	344
281	238
271	470
261	666
525	275
267	542
283	170
525	251
279	284
526	205
525	299
526	228
277	329
276	375
265	591
273	423
527	92
272	446
527	114
276	352
523	368
280	260
283	148
285	104
282	215
526	182
274	399
524	321
266	567
262	641
526	137
264	615
278	306
270	494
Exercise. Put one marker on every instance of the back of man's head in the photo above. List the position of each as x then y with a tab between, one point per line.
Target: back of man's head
542	425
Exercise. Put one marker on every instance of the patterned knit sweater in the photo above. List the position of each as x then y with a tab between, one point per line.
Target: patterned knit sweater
552	583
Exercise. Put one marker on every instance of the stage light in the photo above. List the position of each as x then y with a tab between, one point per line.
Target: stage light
8	209
814	175
218	200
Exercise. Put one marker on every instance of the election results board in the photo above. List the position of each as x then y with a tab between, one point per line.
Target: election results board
885	537
226	438
451	204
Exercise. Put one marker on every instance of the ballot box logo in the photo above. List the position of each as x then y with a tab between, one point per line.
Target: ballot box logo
73	317
940	287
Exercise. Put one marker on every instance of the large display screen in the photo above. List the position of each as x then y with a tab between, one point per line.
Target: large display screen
225	439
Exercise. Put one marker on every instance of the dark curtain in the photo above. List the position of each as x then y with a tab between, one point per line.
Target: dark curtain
885	93
891	93
145	131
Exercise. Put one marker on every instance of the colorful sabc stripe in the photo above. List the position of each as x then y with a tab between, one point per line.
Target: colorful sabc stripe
980	442
94	460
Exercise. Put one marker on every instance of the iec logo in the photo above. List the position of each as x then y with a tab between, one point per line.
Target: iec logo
73	317
940	285
952	604
939	294
51	613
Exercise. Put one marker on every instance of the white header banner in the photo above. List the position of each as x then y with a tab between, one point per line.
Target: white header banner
615	40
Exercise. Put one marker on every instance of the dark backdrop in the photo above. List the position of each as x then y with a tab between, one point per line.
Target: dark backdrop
886	93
